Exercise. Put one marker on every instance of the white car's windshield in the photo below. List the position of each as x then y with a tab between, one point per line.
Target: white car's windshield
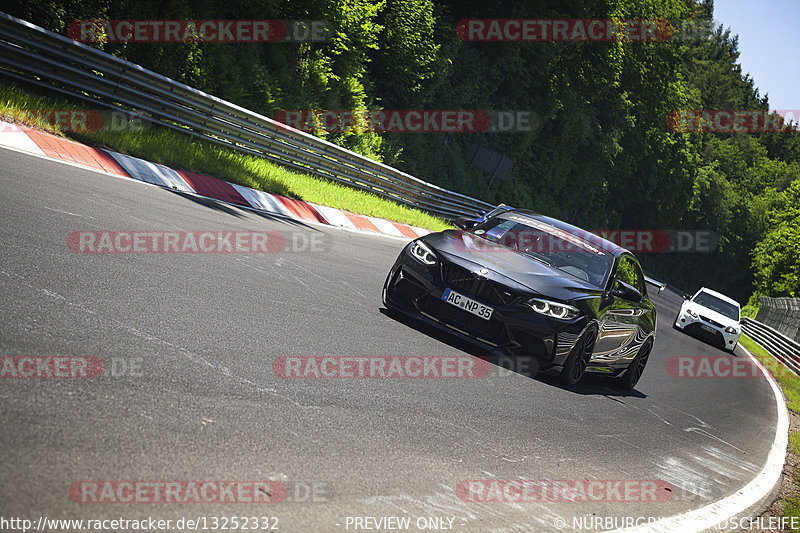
716	304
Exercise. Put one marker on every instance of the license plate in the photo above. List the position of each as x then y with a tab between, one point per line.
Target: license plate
467	304
708	328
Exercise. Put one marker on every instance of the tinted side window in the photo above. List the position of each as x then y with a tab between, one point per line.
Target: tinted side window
629	272
640	284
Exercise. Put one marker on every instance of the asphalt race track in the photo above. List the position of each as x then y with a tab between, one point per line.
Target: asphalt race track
188	391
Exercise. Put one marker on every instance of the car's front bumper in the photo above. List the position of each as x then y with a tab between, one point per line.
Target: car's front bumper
707	329
514	329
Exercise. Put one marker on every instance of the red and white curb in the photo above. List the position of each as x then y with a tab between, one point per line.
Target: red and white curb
40	143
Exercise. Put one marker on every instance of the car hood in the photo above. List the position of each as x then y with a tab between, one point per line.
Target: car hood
532	275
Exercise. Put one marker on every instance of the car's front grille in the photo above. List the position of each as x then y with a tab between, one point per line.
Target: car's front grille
462	280
486	330
711	321
709	336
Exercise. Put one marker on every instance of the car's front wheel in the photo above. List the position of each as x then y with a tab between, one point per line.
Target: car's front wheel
578	358
636	368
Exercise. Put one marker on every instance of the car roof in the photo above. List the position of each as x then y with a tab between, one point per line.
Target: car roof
609	246
719	295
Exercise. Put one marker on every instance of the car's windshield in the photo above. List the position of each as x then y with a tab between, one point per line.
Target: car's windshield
716	304
557	248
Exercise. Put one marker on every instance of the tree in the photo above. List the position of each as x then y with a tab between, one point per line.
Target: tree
776	259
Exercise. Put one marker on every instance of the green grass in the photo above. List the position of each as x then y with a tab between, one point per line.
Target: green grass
794	442
789	382
791	507
183	152
791	389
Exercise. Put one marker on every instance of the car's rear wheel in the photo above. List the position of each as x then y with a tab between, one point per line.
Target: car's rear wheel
636	368
578	358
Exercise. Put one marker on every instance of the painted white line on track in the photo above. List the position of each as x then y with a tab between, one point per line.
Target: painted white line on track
737	504
706	517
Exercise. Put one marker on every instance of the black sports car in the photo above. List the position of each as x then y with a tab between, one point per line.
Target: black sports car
526	284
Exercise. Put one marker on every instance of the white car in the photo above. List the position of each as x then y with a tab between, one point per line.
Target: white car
713	316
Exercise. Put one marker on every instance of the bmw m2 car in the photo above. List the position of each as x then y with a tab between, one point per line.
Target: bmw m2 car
525	284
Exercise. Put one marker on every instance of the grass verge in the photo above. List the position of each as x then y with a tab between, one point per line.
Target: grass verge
168	147
790	384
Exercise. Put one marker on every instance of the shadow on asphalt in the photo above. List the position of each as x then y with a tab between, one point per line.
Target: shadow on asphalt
437	333
591	384
240	211
211	204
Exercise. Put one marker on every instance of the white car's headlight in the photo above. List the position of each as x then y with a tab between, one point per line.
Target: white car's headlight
692	313
422	253
731	329
554	309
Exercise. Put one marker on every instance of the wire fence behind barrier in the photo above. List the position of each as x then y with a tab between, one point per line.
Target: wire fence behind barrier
781	314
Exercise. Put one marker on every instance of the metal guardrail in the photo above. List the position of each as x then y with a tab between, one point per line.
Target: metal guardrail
778	345
34	55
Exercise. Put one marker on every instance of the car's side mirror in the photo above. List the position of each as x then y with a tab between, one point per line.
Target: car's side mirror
626	292
465	223
687	296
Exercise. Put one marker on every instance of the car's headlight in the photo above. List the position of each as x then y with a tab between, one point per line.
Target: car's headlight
731	329
554	309
692	313
422	253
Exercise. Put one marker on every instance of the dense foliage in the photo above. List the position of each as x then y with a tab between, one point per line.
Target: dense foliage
598	150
